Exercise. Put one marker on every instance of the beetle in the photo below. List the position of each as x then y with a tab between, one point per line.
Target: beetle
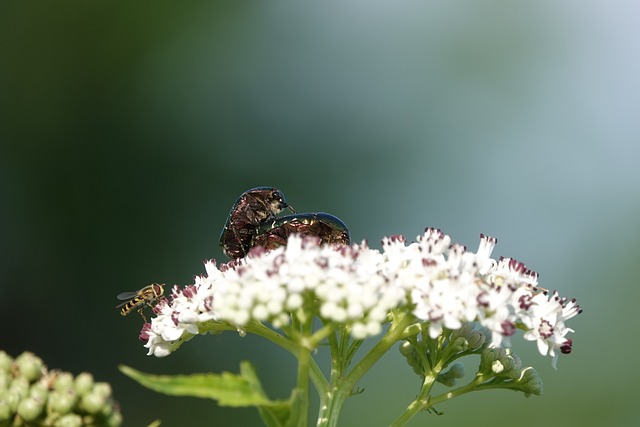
253	208
330	229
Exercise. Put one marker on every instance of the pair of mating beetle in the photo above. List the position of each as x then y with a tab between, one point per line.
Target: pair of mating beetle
252	222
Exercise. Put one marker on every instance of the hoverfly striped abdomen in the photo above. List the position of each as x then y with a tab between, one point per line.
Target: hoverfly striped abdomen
140	299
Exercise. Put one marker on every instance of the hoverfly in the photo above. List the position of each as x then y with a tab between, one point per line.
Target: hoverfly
330	230
142	298
253	208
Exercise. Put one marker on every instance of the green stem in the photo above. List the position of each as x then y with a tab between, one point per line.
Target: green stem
317	377
304	358
332	401
330	411
341	386
392	336
438	358
480	382
423	400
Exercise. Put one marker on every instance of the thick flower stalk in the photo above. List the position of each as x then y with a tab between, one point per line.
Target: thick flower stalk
440	300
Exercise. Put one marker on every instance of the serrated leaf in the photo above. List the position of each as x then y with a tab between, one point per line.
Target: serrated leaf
228	389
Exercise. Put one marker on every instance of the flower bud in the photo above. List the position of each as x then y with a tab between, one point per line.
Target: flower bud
11	398
69	420
459	345
29	365
448	378
487	357
39	392
62	401
406	349
5	380
497	367
531	382
29	409
102	389
28	392
498	361
5	362
114	420
92	402
476	339
83	383
457	370
63	381
411	355
20	386
5	411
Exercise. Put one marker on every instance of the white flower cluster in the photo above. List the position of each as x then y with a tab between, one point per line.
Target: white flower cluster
437	282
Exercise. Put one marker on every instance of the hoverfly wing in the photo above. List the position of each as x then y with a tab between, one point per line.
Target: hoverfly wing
127	295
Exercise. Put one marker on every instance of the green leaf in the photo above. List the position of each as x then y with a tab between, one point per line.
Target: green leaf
227	388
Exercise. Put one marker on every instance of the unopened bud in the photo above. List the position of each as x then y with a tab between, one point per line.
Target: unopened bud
411	355
92	402
114	420
102	389
29	365
476	339
5	362
449	377
20	386
32	395
11	398
83	383
5	380
39	392
69	420
29	409
5	411
62	401
63	381
531	382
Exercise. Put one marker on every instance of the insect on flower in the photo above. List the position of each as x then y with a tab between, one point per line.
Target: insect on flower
253	208
330	230
140	299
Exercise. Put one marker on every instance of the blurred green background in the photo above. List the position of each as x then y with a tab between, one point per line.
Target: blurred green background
128	130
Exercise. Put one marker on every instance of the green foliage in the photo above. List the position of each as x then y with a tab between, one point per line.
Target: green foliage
228	389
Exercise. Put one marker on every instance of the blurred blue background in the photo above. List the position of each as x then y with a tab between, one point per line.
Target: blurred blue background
128	130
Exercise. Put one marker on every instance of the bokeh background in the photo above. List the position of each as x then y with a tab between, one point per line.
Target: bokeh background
127	130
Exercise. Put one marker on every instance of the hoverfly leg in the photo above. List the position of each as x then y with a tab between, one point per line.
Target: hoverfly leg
142	314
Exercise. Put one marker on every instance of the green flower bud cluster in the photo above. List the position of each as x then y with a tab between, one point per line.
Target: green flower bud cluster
31	395
471	338
501	368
